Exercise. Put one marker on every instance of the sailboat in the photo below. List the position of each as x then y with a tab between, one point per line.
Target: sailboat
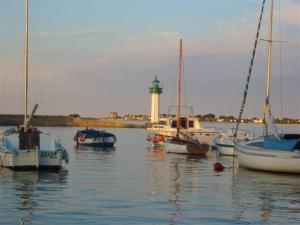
182	143
273	152
27	148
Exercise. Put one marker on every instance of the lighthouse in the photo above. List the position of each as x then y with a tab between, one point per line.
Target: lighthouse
155	91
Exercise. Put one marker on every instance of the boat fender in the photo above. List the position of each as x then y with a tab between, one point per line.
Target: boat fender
158	138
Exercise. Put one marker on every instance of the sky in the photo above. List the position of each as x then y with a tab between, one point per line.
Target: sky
93	57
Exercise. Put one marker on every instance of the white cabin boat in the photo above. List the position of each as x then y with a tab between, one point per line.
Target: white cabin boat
188	125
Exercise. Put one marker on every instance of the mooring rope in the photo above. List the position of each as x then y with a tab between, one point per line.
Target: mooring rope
249	71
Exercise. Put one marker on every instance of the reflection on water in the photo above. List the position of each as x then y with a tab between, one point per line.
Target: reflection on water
266	196
92	148
28	188
235	195
175	176
87	157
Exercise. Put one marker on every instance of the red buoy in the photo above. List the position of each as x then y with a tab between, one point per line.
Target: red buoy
218	167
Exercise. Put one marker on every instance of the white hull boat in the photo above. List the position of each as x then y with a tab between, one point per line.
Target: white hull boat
185	147
179	148
11	156
51	153
225	141
226	149
18	150
19	160
253	155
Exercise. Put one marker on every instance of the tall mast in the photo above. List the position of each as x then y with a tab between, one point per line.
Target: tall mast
267	103
179	86
26	61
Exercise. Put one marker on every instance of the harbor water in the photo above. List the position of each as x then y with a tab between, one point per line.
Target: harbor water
135	184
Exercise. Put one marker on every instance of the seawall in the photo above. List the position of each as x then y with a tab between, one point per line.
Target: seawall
63	121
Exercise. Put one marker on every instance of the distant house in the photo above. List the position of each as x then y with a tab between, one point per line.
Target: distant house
257	120
113	115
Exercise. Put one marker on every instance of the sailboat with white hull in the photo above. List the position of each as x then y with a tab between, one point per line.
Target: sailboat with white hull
273	152
182	143
27	148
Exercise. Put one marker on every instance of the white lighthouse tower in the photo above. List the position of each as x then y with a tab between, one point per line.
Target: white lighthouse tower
155	91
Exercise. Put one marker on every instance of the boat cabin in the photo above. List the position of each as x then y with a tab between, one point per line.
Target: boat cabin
185	122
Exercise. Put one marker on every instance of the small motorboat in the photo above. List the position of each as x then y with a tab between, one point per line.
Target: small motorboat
225	140
96	138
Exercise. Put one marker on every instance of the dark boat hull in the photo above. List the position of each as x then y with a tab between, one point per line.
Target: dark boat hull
108	145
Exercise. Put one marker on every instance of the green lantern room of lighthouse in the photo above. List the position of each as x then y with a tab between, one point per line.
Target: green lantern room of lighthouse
155	87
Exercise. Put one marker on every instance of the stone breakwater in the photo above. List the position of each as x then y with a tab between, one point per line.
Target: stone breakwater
63	121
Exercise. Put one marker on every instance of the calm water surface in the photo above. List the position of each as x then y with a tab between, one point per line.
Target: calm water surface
134	184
